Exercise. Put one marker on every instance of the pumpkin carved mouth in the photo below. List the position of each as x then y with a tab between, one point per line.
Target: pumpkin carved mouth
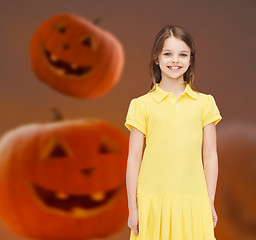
77	205
61	67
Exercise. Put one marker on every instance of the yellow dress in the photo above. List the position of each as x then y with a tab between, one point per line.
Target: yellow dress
172	195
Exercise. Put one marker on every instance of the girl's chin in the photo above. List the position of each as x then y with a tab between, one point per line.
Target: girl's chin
173	75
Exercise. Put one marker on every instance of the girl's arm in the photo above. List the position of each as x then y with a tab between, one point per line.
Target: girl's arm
136	143
210	159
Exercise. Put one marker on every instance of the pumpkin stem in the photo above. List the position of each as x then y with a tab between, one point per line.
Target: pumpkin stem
57	115
96	21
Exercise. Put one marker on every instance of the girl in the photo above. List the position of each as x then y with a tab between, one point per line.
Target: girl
170	189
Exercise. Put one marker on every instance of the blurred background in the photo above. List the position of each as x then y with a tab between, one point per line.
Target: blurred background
224	35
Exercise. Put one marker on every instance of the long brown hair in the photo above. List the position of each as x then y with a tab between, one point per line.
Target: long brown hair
180	33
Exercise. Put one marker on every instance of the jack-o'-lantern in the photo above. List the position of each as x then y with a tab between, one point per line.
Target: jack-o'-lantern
64	180
235	192
76	57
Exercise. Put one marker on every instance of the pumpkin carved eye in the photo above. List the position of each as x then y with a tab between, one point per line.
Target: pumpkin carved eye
61	27
56	149
87	41
108	146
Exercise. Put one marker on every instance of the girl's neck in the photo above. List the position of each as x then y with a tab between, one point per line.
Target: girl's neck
172	85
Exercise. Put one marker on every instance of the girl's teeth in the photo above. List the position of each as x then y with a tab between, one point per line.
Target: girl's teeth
174	67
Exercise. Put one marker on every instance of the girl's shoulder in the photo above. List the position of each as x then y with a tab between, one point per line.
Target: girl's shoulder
143	99
205	96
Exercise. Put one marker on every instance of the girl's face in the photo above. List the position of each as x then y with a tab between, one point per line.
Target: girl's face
175	53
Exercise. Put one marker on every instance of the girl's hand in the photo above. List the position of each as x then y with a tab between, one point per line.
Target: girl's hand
133	221
214	215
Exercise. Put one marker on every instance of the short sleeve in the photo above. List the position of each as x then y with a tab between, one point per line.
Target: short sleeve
210	112
136	116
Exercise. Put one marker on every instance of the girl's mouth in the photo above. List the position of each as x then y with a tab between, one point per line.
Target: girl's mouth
174	68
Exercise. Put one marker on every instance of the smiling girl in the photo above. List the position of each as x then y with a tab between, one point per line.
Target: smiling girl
171	185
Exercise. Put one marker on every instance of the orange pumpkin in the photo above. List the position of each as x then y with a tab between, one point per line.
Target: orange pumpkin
64	180
76	57
236	195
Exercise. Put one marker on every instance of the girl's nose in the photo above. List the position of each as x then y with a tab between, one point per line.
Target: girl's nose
175	58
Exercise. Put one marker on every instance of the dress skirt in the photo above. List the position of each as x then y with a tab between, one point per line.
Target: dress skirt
174	217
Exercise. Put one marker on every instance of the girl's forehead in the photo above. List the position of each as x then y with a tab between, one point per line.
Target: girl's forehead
172	43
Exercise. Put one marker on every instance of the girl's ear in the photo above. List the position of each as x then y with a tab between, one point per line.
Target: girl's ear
156	61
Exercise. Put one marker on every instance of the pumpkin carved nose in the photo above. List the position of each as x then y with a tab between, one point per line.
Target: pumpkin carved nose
88	171
65	45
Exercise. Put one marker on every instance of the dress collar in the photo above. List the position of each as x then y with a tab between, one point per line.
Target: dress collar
159	94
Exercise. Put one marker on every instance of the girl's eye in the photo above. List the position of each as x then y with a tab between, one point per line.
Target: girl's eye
184	55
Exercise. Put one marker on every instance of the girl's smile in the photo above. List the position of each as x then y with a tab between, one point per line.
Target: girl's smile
174	68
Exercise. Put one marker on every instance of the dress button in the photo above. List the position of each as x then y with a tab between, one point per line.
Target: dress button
177	104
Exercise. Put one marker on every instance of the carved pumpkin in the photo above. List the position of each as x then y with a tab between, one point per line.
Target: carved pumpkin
76	57
64	180
236	195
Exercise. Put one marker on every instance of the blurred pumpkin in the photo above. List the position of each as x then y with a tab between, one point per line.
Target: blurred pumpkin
64	180
76	57
235	193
